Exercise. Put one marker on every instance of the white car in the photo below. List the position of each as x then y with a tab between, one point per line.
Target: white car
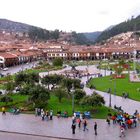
5	69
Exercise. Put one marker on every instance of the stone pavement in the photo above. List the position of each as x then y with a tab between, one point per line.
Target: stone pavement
60	128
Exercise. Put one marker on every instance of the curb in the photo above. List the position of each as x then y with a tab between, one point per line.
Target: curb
36	135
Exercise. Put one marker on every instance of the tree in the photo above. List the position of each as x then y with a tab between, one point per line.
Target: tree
9	86
55	79
52	80
25	89
79	94
28	78
46	80
6	99
20	78
68	82
36	34
39	96
57	62
60	93
80	39
93	100
55	34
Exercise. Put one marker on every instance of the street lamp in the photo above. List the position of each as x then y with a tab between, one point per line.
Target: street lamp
110	94
134	60
115	85
72	91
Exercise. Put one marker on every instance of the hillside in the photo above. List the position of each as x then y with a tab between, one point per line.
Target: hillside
92	36
129	25
11	26
39	34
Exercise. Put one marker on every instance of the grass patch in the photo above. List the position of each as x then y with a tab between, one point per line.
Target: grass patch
122	85
53	104
18	101
66	105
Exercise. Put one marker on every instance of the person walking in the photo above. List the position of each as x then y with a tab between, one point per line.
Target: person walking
85	125
73	127
95	128
79	122
42	114
3	111
122	131
51	114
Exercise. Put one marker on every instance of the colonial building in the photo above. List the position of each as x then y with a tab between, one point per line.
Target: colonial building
8	59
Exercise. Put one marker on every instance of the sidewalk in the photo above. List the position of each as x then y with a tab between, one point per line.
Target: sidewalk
61	128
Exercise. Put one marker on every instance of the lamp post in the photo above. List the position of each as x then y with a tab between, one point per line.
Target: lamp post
72	91
134	60
115	86
110	94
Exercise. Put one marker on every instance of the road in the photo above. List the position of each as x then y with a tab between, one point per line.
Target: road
15	69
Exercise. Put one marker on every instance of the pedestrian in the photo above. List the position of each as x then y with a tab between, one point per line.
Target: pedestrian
3	111
122	131
42	114
95	128
73	127
47	115
108	120
79	122
73	119
36	111
51	114
85	125
74	114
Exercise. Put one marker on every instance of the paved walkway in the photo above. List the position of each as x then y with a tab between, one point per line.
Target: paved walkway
58	128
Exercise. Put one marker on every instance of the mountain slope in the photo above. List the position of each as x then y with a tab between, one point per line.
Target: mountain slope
92	36
11	26
129	25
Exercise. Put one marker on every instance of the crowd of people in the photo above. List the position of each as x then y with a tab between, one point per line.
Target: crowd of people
125	120
45	115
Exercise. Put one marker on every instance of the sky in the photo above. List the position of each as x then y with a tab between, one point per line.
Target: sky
70	15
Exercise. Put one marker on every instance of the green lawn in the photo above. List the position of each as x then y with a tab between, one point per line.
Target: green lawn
122	85
53	104
66	105
18	101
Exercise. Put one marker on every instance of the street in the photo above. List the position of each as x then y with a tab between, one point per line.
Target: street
15	69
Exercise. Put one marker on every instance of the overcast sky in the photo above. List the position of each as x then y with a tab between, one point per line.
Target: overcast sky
70	15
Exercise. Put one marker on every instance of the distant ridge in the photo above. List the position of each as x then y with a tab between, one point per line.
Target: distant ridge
12	26
92	36
123	27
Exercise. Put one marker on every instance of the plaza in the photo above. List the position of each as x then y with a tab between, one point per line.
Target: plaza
30	127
